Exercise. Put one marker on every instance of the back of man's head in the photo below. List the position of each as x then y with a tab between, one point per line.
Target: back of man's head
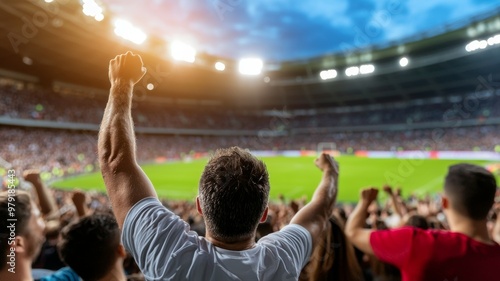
90	246
471	190
15	204
233	193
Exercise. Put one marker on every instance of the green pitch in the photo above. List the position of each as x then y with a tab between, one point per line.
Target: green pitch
296	177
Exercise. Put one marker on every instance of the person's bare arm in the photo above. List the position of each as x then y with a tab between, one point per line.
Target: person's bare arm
79	199
125	181
355	226
314	216
45	199
394	200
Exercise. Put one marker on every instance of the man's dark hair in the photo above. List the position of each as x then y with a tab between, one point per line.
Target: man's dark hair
90	245
418	221
22	213
471	190
233	193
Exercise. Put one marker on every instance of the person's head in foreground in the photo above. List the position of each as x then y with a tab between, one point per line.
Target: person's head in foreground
469	193
91	247
21	234
233	195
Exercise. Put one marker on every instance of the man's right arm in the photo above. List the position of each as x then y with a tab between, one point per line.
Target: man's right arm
355	227
314	216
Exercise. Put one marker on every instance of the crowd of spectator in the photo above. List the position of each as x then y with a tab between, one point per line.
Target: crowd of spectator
63	152
65	106
68	235
77	222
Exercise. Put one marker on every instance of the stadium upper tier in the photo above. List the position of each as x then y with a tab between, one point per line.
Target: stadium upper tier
71	47
474	109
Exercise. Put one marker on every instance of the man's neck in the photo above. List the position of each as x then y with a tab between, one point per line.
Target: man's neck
117	274
21	271
476	230
236	246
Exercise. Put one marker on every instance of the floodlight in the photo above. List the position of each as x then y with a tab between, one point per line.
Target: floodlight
328	74
352	71
250	66
182	52
366	69
129	32
403	62
220	66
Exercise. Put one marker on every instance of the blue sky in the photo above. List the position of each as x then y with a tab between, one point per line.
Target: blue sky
279	30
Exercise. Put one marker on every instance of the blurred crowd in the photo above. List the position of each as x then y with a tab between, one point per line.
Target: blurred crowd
44	104
62	209
61	152
57	153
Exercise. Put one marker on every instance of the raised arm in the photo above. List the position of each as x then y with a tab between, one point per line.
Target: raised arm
45	199
355	226
394	200
314	216
125	181
79	199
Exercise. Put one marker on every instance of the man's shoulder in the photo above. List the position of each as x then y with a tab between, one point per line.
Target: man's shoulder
291	231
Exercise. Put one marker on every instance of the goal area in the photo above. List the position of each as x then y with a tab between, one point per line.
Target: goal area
328	147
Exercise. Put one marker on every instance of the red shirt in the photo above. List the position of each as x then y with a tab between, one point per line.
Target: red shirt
430	255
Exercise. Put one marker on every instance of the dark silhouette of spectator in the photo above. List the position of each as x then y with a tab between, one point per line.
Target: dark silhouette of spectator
467	252
418	222
91	247
233	199
333	258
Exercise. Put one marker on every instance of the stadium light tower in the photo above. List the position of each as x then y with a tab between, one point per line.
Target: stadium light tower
352	71
182	52
91	9
366	69
250	66
129	32
403	62
328	74
220	66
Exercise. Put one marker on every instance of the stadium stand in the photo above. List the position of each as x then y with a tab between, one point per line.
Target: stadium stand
447	100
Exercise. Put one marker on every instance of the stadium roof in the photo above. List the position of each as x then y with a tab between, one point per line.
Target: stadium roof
57	42
278	30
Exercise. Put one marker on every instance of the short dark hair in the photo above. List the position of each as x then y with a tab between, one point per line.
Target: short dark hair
471	190
233	193
90	245
418	221
22	213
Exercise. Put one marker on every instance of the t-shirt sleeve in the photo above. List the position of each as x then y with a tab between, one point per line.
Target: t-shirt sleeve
295	242
153	234
394	246
63	274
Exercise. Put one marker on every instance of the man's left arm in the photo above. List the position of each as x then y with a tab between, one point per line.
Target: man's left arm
125	181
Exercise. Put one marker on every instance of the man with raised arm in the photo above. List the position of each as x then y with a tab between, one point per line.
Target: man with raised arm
465	253
233	197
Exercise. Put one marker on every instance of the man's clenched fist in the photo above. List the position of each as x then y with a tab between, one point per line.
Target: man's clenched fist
369	195
326	162
127	68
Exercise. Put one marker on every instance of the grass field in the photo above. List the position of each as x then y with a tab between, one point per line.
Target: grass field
295	177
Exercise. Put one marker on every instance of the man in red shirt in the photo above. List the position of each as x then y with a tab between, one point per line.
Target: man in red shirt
464	253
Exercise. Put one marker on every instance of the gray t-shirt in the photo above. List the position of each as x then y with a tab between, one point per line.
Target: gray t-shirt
165	249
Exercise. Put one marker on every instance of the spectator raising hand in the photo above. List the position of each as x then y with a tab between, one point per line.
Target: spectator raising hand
79	199
369	195
233	199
